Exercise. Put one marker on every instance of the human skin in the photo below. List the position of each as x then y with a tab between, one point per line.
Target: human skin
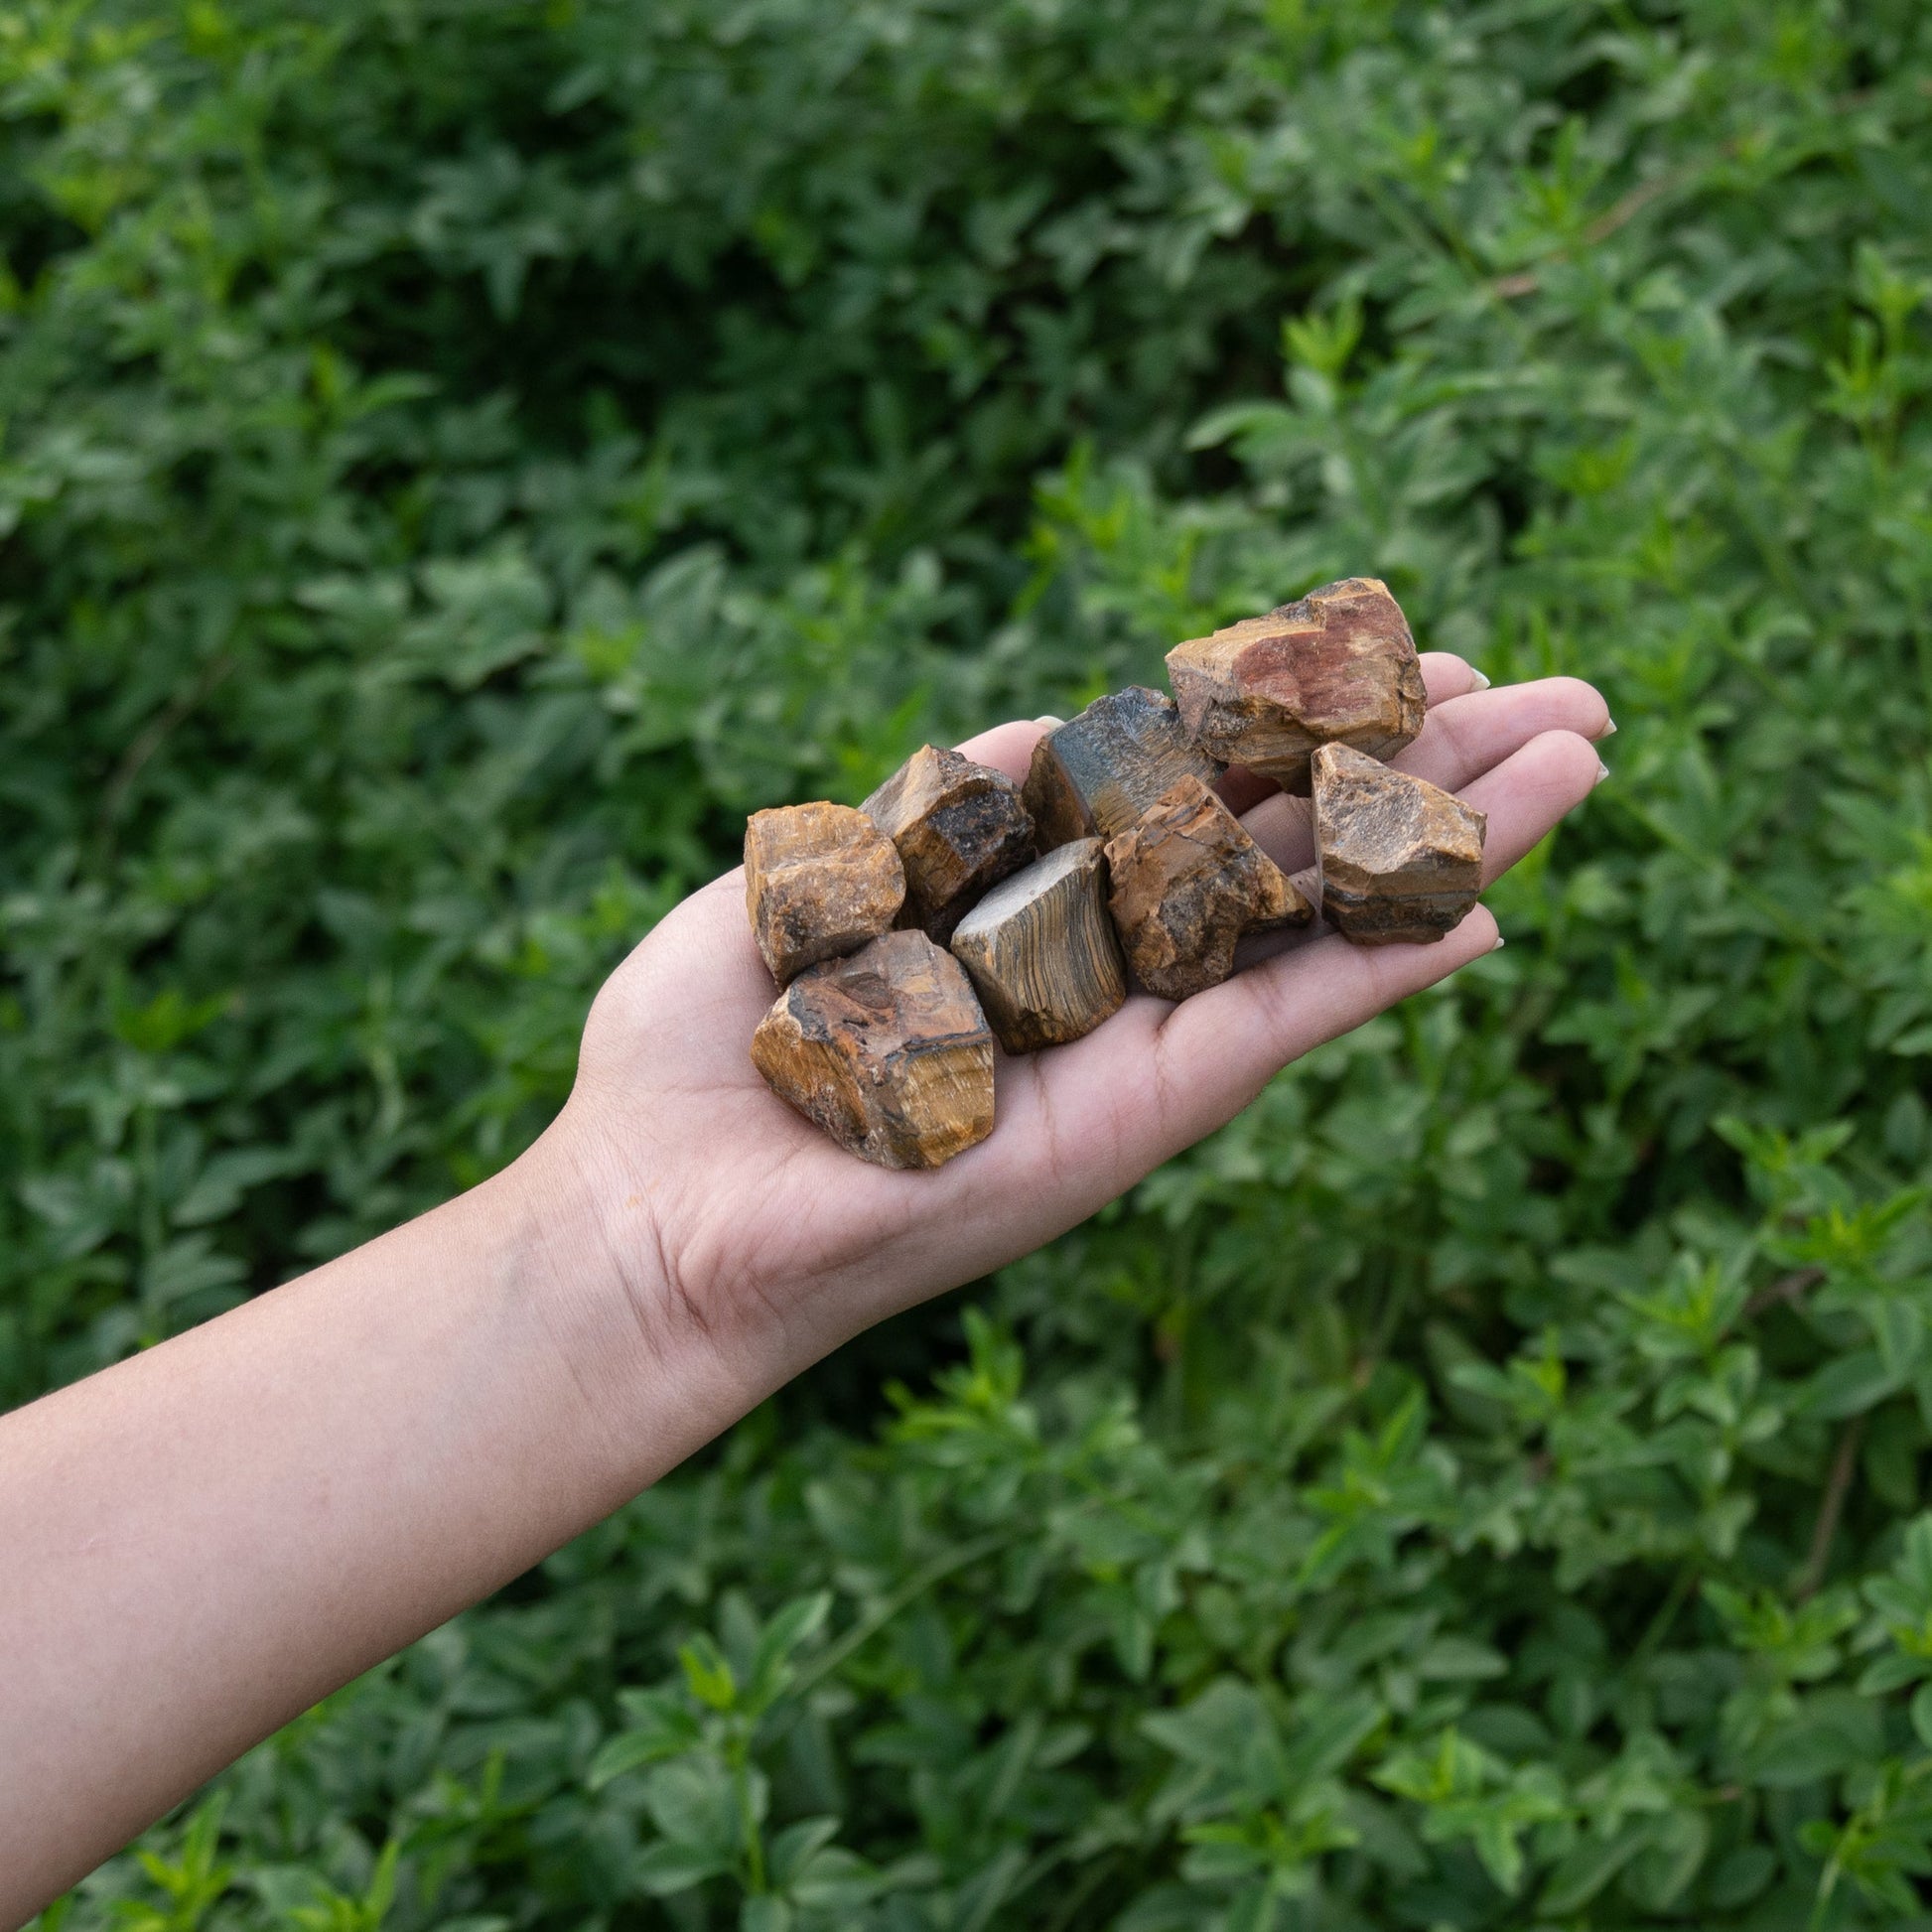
203	1540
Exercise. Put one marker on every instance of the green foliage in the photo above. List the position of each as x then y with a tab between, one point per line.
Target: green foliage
457	456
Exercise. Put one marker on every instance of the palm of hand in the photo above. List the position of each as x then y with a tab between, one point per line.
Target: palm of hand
728	1215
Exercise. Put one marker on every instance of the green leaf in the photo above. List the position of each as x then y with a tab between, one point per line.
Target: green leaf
1834	1733
1453	1659
1255	1908
1215	1730
626	1752
1587	1868
1921	1714
667	1868
708	1675
1666	1866
793	1849
794	1625
694	1802
1850	1386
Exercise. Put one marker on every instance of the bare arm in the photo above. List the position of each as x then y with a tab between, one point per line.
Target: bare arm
201	1542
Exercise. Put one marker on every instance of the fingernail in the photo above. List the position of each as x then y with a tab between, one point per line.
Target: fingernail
1498	946
1609	730
1603	771
1053	724
1482	683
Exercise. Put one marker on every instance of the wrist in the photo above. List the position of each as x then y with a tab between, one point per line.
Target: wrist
658	1374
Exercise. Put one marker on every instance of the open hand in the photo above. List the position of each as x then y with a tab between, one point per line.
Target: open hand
732	1220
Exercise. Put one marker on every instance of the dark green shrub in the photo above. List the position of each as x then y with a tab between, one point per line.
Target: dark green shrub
459	456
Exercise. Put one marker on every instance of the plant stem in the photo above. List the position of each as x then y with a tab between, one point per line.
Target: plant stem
913	1587
1659	1625
741	1752
1830	1508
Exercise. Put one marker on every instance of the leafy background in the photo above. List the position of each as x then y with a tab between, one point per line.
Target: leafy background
457	456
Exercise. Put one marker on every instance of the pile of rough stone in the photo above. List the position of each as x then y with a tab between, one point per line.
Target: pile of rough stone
954	907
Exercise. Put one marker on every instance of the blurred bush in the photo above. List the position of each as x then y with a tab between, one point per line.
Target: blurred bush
457	456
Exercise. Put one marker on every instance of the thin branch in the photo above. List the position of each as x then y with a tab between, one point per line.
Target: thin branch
1084	1887
1838	1486
1628	207
914	1587
149	740
1658	1628
1620	212
1790	1288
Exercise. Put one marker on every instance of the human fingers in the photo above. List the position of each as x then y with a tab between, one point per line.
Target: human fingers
1446	675
1469	736
1462	738
1009	747
1223	1047
705	950
1527	795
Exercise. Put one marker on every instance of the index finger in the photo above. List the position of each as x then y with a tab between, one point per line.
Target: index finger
1009	747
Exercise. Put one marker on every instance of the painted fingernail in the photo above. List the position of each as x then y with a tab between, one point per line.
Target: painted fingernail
1053	724
1482	683
1603	771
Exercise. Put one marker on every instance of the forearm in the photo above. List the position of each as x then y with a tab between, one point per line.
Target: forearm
204	1540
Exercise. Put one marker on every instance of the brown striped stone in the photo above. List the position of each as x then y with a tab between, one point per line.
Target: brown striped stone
819	880
1095	775
960	828
1338	666
888	1051
1401	858
1042	953
1188	881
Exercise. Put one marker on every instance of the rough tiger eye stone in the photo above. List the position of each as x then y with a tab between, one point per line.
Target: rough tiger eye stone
1401	859
959	827
1042	953
1186	883
888	1051
819	880
1336	667
1095	775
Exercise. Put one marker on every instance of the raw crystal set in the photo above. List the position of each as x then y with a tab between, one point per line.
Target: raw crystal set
954	907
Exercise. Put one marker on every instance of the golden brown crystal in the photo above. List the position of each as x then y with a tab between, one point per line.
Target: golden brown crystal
1186	883
819	880
959	827
1041	952
888	1051
1401	859
1336	667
